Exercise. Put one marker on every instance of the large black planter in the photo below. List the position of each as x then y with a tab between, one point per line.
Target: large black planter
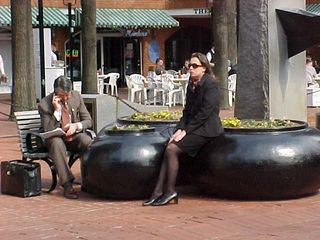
260	164
123	164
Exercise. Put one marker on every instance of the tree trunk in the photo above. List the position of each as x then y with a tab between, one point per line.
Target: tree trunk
89	48
252	92
220	33
232	30
23	90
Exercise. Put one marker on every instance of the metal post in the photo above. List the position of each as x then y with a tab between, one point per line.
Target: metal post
41	43
318	120
70	42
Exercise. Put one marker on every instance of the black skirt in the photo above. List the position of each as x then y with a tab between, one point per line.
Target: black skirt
192	143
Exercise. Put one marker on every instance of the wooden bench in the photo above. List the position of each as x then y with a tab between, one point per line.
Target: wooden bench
27	122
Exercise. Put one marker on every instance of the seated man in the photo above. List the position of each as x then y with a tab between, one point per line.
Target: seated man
65	108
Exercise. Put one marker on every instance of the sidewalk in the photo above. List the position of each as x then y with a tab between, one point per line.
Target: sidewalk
51	216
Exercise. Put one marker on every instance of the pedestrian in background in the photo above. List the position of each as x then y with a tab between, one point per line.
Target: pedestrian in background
3	76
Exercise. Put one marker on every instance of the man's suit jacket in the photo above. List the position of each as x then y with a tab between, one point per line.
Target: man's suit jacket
201	113
77	111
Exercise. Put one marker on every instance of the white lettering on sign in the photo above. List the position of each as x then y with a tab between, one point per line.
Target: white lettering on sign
136	33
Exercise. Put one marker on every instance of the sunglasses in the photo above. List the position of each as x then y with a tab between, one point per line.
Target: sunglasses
194	65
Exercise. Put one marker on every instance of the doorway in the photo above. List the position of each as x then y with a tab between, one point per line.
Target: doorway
118	54
183	43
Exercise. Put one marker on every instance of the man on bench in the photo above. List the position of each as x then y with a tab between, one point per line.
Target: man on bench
65	109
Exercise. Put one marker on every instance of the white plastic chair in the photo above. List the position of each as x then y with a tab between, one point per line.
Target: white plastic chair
172	72
156	89
113	78
137	87
172	90
100	83
129	86
232	81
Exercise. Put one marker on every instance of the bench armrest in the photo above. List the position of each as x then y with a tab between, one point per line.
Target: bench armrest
35	142
91	133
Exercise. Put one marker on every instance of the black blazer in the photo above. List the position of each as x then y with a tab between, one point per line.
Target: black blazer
201	113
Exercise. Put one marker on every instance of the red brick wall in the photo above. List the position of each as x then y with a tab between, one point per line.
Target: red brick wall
59	36
161	36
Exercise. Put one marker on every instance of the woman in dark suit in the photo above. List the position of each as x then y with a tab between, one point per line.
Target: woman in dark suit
199	123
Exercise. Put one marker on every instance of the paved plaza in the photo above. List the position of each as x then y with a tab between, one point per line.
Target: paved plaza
198	217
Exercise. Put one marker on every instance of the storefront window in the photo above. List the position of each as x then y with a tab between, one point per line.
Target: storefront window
76	58
183	43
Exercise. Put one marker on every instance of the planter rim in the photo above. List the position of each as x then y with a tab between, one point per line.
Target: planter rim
121	132
126	119
300	125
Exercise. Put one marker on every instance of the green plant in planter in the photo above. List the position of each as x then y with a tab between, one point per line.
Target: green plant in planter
227	122
250	123
154	116
130	127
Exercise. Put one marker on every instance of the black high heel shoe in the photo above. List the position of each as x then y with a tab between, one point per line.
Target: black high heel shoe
165	199
151	201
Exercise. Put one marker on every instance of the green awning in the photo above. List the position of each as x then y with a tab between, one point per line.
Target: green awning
51	17
314	8
132	18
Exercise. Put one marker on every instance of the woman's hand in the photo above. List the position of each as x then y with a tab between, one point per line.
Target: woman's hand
178	135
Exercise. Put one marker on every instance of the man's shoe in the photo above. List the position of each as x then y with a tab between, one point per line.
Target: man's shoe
70	192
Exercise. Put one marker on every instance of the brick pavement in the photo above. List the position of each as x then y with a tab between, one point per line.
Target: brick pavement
50	216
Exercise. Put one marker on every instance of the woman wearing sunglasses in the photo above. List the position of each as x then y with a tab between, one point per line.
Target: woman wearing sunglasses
199	123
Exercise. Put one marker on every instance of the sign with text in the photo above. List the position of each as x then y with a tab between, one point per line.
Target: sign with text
135	33
189	12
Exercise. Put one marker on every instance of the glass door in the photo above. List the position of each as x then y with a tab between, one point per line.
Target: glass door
99	55
132	59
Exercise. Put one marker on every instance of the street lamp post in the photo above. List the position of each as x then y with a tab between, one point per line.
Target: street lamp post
41	45
70	3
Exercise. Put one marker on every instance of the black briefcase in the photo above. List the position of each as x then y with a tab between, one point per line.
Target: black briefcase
20	178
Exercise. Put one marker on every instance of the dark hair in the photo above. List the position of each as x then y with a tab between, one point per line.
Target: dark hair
203	60
62	83
158	59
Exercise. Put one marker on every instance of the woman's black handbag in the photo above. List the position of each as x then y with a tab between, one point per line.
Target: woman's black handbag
20	178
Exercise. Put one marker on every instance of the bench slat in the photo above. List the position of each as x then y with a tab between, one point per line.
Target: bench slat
29	126
28	121
28	117
31	112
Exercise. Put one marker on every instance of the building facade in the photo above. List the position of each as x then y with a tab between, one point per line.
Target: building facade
130	48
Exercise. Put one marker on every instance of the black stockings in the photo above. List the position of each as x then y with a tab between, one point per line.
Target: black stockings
168	171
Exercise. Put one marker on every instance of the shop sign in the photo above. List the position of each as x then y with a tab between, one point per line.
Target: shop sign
136	33
75	53
189	12
202	11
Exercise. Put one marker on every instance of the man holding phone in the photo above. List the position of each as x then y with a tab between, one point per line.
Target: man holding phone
65	109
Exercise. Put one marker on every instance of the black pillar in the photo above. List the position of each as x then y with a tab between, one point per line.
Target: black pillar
41	43
70	42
